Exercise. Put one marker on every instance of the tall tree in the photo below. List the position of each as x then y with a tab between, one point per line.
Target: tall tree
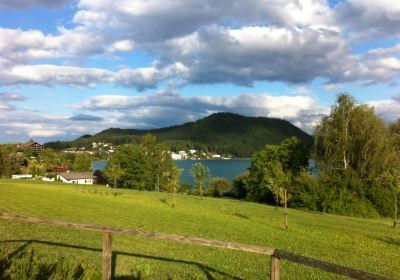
272	169
160	160
352	139
353	151
174	176
82	162
113	172
201	174
135	165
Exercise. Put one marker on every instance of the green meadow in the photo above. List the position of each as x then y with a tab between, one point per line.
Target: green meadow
370	245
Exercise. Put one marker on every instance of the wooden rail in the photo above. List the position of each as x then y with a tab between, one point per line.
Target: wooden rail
276	255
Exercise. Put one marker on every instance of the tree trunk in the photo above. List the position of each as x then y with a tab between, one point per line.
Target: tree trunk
174	198
115	185
395	209
286	212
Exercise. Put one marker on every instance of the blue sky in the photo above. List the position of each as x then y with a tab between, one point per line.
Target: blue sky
69	68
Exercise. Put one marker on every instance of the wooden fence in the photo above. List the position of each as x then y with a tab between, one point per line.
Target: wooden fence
276	255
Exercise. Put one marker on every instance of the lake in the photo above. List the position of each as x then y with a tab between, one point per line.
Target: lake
228	169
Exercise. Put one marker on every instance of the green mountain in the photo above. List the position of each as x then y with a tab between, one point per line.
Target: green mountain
223	133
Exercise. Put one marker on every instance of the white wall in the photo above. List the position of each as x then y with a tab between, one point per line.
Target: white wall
77	181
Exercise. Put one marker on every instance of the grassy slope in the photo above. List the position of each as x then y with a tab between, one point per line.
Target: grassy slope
369	245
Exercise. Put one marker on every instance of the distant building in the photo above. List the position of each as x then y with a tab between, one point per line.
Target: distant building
21	176
32	144
84	178
175	156
57	169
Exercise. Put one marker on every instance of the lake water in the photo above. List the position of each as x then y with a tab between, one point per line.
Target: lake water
228	169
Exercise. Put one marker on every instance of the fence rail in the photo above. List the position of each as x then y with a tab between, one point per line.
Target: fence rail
276	255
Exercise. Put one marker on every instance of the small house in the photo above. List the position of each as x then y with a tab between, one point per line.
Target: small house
84	178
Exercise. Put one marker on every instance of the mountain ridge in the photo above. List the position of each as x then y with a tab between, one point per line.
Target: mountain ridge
225	133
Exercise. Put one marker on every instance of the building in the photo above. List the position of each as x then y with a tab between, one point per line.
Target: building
37	148
84	178
99	177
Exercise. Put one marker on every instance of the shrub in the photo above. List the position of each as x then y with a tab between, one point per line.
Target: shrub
219	187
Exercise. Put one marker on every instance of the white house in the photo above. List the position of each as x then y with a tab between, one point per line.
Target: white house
21	176
84	178
176	156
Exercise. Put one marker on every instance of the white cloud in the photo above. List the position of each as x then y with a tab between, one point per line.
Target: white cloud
11	96
5	106
170	108
122	46
388	109
302	90
23	4
206	42
55	75
370	19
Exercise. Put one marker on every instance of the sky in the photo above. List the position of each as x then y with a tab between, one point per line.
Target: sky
75	67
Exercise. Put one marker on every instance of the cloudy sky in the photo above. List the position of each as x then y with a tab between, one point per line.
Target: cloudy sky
70	67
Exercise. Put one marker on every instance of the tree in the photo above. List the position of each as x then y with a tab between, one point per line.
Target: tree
352	139
219	187
272	169
136	168
113	172
174	176
201	174
392	178
352	151
159	158
10	162
82	162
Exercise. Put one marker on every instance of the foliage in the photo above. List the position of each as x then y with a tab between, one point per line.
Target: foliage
160	161
185	188
135	165
354	149
273	168
113	172
201	174
239	187
147	166
82	162
219	187
10	161
27	265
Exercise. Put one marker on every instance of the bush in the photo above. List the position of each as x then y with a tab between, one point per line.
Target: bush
185	188
219	187
304	191
239	189
28	266
340	196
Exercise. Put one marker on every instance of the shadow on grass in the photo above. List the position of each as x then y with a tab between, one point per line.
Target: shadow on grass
390	240
207	270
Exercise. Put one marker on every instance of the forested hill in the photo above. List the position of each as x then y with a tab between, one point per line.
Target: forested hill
223	133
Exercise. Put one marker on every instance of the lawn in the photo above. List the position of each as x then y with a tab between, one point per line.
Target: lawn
366	244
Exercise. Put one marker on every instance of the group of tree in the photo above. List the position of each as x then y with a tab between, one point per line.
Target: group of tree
147	166
357	158
15	160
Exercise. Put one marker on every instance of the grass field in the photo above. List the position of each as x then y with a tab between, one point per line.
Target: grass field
366	244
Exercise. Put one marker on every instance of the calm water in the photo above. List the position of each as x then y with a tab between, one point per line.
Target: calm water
228	169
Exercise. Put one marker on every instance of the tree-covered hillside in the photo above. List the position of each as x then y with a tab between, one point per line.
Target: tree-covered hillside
219	133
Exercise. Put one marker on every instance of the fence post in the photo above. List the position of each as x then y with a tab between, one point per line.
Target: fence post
107	255
275	268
